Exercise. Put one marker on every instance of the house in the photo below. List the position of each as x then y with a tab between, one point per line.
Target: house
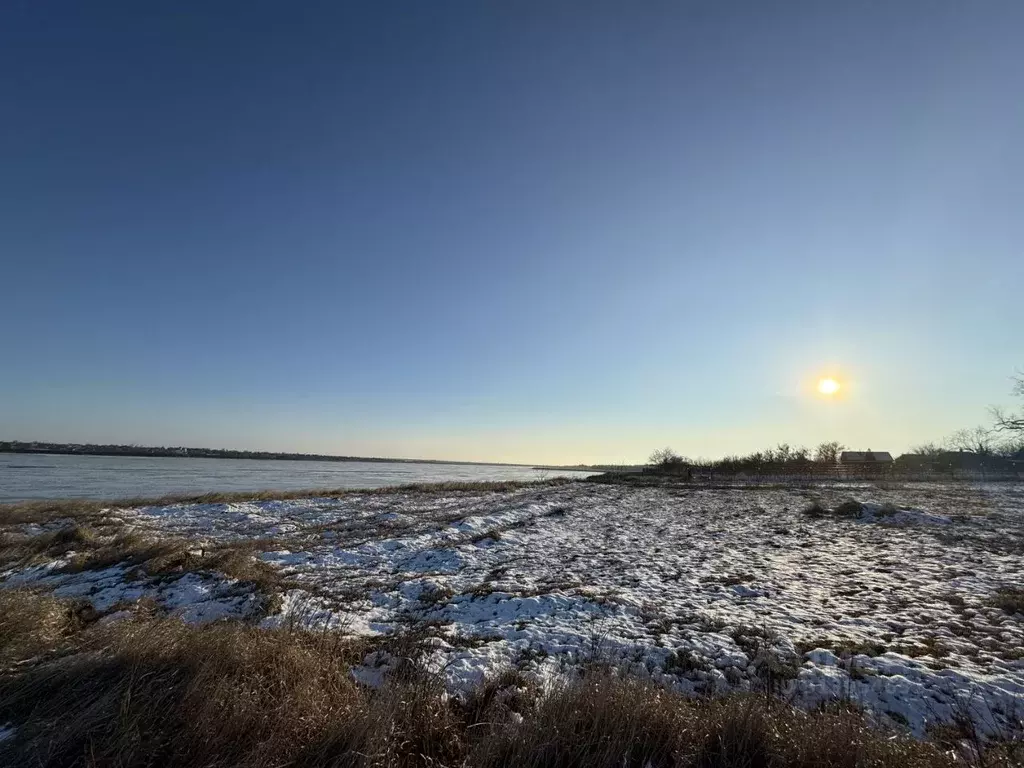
865	458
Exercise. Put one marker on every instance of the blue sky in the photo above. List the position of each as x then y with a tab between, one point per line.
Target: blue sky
508	231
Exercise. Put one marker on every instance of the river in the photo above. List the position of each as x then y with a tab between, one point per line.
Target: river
47	476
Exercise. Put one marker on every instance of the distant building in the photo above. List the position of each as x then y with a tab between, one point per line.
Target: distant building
862	458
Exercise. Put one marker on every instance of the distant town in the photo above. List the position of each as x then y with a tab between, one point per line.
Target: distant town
93	449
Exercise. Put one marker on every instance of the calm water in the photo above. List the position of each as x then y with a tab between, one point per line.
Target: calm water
34	476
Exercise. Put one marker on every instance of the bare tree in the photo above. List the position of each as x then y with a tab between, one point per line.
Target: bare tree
928	449
828	453
665	457
977	440
1012	448
1009	421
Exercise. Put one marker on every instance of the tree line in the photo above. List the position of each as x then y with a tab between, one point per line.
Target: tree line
782	457
1002	439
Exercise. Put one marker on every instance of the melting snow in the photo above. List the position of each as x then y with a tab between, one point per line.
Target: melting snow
196	598
697	589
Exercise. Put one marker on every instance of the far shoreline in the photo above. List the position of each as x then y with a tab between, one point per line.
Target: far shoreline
69	449
14	510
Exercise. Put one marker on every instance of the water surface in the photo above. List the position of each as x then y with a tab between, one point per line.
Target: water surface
46	476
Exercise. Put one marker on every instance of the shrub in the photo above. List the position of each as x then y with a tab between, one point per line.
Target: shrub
849	508
815	509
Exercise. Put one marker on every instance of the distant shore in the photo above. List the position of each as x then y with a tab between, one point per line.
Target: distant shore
73	449
89	449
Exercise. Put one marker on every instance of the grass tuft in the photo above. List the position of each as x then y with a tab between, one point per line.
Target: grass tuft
849	508
1009	599
32	624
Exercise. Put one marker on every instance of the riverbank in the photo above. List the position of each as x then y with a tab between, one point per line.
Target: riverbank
904	602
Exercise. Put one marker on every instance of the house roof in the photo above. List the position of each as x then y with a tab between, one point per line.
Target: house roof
855	456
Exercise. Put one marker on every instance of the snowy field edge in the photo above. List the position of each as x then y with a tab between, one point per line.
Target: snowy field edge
891	602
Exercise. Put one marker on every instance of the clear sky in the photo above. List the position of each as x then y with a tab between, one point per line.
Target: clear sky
526	231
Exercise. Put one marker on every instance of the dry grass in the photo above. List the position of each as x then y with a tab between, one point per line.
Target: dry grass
156	692
604	721
174	557
130	548
49	545
1009	599
160	693
32	624
163	556
85	509
848	508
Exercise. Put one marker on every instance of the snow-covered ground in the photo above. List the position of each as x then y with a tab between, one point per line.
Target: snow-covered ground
703	590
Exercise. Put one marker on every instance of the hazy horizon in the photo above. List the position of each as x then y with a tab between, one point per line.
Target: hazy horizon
529	233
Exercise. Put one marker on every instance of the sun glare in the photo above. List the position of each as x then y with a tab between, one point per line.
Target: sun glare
828	386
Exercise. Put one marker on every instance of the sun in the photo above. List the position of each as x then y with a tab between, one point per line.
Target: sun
828	386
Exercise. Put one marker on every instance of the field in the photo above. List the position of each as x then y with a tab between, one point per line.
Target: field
903	602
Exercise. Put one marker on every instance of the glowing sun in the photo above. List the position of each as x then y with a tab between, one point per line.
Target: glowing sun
828	386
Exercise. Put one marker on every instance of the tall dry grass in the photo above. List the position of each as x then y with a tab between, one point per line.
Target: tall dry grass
160	693
33	623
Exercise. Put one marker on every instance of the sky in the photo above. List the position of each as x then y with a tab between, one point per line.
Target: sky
529	231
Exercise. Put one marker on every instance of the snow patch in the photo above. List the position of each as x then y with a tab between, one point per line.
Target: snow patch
888	514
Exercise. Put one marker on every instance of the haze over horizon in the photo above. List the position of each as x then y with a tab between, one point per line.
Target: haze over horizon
534	233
